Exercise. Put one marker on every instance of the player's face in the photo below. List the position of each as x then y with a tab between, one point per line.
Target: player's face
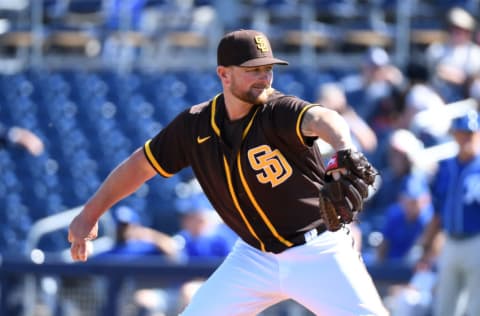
459	36
250	84
468	143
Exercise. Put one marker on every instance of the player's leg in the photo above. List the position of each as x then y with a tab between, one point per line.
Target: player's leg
245	284
448	281
472	274
328	277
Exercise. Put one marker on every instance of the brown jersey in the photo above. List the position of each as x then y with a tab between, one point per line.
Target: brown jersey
261	175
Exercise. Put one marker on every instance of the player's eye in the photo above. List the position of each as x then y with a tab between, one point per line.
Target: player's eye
261	69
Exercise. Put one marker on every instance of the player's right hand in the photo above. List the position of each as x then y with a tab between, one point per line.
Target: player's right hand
80	233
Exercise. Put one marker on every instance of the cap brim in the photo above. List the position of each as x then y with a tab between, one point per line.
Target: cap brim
263	62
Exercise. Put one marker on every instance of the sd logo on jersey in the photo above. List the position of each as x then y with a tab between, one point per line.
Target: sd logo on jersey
273	166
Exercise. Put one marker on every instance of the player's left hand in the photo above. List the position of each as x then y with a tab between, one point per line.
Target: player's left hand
348	176
80	233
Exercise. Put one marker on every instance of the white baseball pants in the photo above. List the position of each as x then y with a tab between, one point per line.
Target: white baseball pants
326	275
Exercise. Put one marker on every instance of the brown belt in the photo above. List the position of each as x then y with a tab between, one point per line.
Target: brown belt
299	239
305	237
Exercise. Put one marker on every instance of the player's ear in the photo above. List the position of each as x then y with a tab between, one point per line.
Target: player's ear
223	73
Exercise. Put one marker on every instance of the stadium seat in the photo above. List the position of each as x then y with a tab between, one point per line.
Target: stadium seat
286	82
11	181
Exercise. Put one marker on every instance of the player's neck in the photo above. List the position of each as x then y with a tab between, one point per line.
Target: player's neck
236	108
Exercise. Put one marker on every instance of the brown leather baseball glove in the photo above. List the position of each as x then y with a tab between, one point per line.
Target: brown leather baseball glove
347	178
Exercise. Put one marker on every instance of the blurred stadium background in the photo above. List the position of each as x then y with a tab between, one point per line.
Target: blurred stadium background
96	78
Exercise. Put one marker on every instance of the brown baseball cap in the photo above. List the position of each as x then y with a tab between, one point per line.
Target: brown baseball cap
246	48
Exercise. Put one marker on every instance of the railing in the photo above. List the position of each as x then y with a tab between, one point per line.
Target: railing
38	33
116	275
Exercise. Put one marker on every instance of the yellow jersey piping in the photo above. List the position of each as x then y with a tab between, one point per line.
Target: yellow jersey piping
154	162
258	208
212	115
237	205
299	120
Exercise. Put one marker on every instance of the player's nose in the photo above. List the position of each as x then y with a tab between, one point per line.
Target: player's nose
265	77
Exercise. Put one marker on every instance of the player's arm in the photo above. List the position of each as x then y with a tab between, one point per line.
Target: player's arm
348	173
124	180
429	239
327	125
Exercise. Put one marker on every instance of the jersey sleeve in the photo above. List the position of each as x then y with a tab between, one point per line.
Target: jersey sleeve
287	114
166	151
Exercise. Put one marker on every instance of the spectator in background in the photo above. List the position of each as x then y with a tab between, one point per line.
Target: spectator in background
405	220
332	96
388	110
203	235
134	239
420	97
405	223
375	81
456	197
400	163
452	63
21	136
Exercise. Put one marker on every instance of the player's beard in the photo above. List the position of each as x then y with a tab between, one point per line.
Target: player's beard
254	95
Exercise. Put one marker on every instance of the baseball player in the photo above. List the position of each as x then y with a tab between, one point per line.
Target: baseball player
456	192
252	150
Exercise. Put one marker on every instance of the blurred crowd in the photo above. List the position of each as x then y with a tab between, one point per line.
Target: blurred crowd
419	125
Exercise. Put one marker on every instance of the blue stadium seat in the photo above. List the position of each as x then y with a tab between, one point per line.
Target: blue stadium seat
6	161
167	86
288	84
170	108
17	214
11	181
121	85
311	80
10	241
202	86
54	204
85	186
54	241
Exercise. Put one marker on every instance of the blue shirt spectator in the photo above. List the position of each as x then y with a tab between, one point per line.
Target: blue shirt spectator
134	240
405	220
203	235
400	163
